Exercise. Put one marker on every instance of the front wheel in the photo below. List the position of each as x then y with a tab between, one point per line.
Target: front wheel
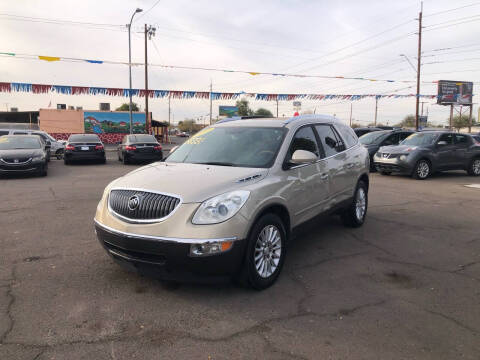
265	253
422	170
354	215
474	167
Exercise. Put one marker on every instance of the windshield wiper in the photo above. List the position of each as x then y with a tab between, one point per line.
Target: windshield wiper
219	163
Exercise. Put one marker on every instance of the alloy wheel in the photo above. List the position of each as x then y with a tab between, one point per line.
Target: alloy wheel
268	249
423	169
360	203
476	166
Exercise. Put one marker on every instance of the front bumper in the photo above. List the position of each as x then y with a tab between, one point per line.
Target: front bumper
168	258
394	165
23	168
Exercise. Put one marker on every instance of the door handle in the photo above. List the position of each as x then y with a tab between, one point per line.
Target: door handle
324	176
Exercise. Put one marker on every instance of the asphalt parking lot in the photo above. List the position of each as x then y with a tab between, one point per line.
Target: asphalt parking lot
404	286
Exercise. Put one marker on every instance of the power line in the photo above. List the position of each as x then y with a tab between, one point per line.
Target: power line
145	12
452	20
56	21
447	26
454	9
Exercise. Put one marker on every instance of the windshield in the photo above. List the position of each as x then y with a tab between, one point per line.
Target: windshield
142	138
372	137
19	142
84	138
231	146
420	139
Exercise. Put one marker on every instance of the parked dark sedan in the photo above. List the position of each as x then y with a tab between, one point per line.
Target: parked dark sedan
23	154
84	147
139	148
365	130
374	140
424	153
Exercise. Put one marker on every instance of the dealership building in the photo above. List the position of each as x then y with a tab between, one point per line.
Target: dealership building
110	126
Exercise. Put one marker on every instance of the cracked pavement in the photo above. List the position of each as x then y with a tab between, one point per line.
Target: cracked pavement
404	286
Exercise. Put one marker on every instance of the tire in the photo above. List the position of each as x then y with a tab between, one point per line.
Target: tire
59	154
474	167
354	215
252	273
125	160
66	162
386	173
422	170
44	170
103	161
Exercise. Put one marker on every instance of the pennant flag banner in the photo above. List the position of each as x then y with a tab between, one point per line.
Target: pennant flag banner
183	94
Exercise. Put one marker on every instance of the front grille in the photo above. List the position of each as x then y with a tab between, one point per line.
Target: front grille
150	207
20	160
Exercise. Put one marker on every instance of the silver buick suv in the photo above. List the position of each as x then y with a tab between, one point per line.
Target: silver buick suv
224	203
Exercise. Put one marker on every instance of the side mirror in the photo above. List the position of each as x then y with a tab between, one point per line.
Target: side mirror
441	143
303	156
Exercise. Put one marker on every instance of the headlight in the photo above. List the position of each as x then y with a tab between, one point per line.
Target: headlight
220	208
403	157
38	158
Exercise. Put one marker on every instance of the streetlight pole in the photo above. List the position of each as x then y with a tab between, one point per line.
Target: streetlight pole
130	68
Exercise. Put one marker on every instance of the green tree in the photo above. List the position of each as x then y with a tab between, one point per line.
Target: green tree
243	108
264	112
461	122
125	107
189	126
408	121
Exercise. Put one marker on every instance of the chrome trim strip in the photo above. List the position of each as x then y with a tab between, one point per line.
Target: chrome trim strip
140	221
161	238
17	163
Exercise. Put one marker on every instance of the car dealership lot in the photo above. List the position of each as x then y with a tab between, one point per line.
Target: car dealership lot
405	285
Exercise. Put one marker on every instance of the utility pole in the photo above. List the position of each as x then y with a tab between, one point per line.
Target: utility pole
376	109
138	10
149	32
210	101
470	119
419	63
168	109
351	109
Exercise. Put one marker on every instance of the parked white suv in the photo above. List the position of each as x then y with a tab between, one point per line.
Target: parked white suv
224	203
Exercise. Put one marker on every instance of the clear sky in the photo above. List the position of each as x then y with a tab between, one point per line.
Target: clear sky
339	38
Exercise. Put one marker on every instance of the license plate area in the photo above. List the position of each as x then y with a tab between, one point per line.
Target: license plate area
84	148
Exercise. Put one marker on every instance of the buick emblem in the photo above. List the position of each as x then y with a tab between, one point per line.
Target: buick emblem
15	161
385	155
133	202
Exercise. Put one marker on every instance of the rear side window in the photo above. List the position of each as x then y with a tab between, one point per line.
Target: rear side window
404	135
461	139
448	138
331	143
20	133
348	135
304	139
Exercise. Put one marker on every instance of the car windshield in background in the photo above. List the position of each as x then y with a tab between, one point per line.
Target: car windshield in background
231	146
19	142
84	138
142	138
372	137
420	139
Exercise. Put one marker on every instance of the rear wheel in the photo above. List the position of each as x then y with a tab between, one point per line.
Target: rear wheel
474	167
66	161
265	253
59	154
125	160
422	170
354	215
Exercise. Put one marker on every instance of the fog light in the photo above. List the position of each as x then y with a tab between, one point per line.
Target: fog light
210	248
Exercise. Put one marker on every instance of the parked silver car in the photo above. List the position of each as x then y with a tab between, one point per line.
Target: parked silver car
225	202
56	147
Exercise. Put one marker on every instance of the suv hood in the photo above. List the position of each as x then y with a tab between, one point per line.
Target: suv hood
192	182
398	149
